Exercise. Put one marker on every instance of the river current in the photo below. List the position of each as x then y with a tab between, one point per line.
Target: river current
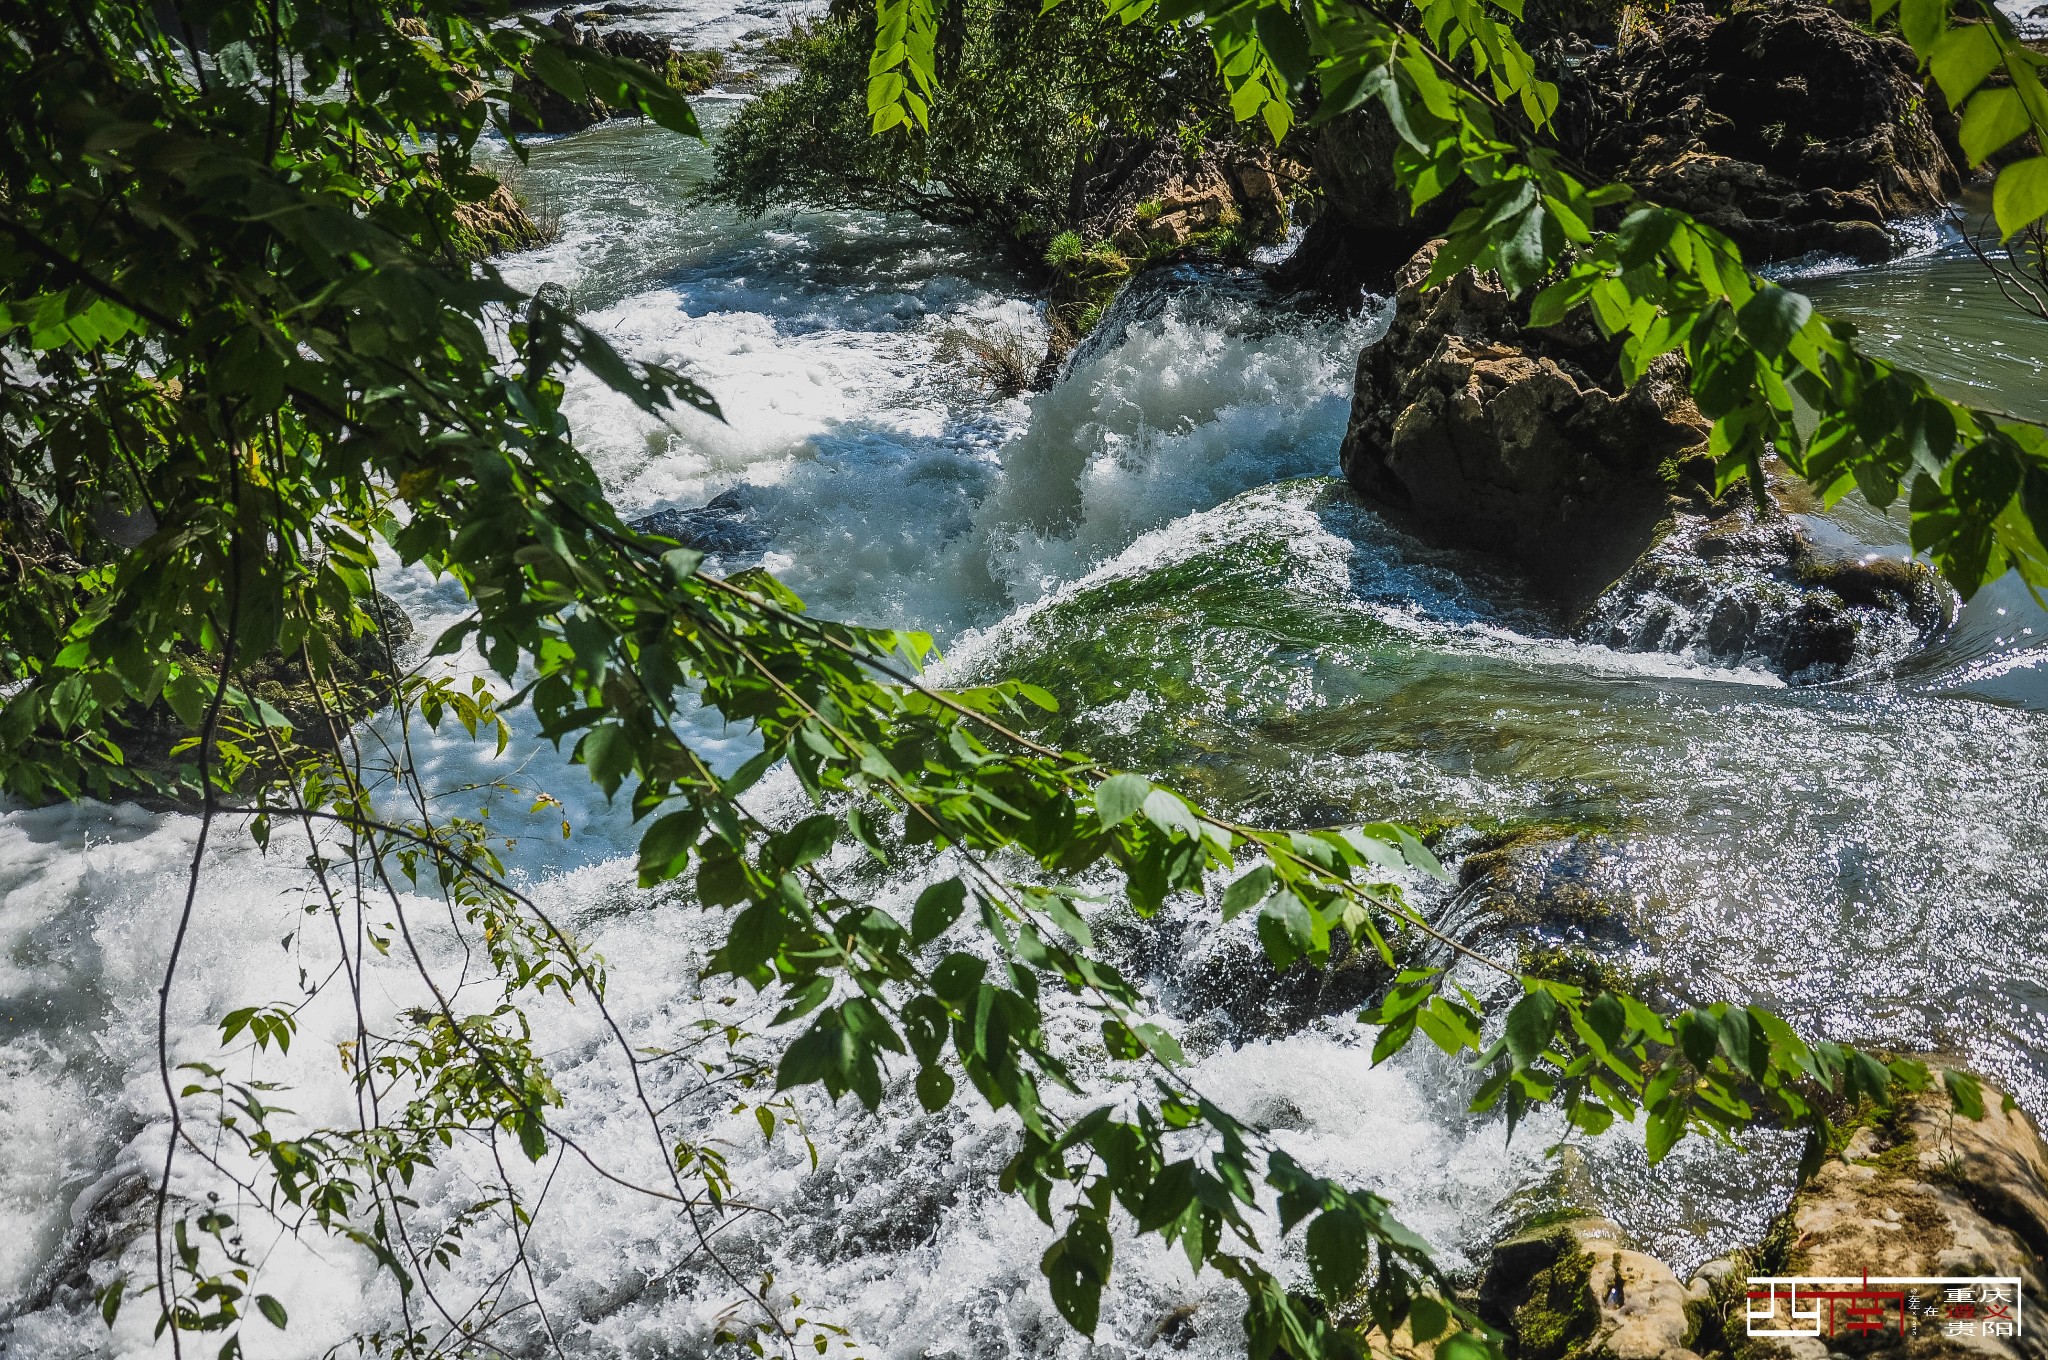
1160	540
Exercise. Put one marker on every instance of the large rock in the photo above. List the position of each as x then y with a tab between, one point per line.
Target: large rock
1579	1288
685	70
1924	1192
1522	443
1785	126
1364	227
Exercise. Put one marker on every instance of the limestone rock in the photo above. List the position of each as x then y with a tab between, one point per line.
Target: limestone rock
1151	199
1726	585
1576	1288
1928	1192
687	70
1521	443
1785	126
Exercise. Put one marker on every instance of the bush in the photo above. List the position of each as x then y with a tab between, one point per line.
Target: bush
1030	104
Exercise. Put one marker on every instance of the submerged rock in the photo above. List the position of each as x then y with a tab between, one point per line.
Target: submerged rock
1786	126
722	527
1520	443
1523	443
1737	588
685	70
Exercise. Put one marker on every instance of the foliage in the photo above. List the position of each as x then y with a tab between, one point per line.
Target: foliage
1028	101
227	313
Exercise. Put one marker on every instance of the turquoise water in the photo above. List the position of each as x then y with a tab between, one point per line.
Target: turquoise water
1160	541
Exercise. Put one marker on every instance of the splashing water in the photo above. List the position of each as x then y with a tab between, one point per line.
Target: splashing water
1157	540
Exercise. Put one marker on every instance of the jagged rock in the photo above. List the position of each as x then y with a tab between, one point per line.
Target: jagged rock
1577	1288
1156	198
723	526
686	70
1521	443
1365	227
1733	587
1786	126
1925	1192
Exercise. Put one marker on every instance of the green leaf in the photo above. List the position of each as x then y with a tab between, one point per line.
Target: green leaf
934	1088
1336	1248
1773	317
1530	1025
1965	1092
273	1311
1922	21
938	907
1118	798
1247	892
665	846
1962	59
2020	198
1990	120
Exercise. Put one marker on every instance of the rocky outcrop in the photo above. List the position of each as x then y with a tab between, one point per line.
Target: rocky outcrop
1921	1191
1786	126
1363	228
1520	443
686	70
1157	198
1482	433
1918	1191
1141	204
1727	586
1576	1286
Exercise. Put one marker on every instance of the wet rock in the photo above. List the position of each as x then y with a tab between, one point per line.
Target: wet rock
1925	1192
1786	126
723	526
1575	1287
1141	204
685	70
1521	443
1157	198
1364	228
1484	434
1554	889
1734	587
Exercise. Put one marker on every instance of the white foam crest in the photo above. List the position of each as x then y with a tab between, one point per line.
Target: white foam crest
1178	417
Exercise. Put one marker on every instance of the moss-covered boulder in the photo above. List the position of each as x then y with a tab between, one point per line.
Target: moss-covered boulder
685	70
1921	1191
1574	1286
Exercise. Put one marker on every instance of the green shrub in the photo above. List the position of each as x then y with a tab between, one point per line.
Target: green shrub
1029	102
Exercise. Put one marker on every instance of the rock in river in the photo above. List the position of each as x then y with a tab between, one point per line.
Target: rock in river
1786	126
1483	433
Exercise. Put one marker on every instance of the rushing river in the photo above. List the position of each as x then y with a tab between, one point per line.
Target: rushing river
1159	540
